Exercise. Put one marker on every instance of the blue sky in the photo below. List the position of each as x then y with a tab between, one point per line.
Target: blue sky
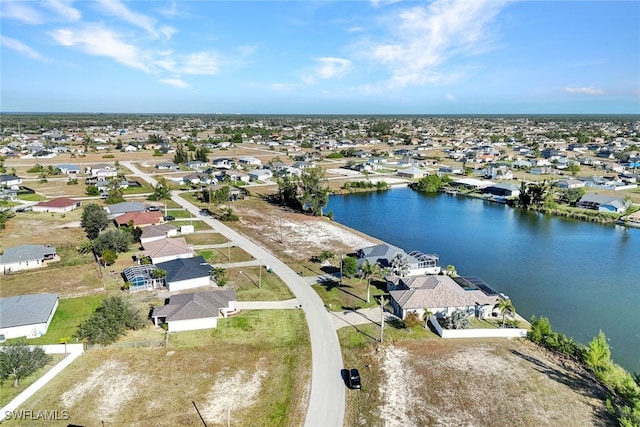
328	57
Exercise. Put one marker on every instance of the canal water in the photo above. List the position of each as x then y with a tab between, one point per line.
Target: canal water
584	277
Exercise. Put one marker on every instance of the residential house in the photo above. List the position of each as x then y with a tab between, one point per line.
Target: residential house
441	295
249	161
71	170
260	174
139	219
238	175
186	273
194	311
223	163
413	172
502	190
163	250
196	164
124	207
58	205
26	257
603	203
383	255
26	315
570	183
166	166
9	181
157	232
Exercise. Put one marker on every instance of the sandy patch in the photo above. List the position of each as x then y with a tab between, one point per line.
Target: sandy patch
302	235
231	392
111	383
396	392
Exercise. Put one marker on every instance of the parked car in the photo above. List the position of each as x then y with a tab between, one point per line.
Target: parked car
153	208
205	212
353	379
24	209
169	218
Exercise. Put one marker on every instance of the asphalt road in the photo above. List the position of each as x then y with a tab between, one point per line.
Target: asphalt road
327	397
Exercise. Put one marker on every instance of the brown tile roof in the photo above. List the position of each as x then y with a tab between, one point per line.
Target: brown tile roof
60	202
167	247
139	219
437	291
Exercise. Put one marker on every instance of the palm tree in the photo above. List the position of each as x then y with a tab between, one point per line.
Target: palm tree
367	271
427	313
505	306
400	264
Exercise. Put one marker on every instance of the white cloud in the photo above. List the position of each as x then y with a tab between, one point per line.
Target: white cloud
327	68
451	97
200	63
425	40
64	9
99	41
21	48
117	8
20	11
584	90
177	82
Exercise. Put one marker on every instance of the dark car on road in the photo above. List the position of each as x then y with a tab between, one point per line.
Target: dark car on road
205	212
353	379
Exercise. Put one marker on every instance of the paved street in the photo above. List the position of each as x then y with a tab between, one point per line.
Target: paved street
327	397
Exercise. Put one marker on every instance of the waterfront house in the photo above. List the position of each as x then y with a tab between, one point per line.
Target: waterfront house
441	295
502	190
27	315
413	172
603	203
194	311
26	257
383	255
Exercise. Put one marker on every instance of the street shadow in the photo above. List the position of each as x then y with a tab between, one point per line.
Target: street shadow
356	327
581	382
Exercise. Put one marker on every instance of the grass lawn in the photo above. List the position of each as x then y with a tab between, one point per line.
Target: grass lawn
205	238
8	392
200	225
221	255
351	295
256	364
70	312
179	213
249	288
33	197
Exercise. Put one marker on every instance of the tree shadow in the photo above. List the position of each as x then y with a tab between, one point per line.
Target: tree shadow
581	382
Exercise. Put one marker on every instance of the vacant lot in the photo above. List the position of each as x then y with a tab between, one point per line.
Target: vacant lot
254	366
425	381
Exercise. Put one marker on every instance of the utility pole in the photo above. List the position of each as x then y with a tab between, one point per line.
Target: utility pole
260	275
381	318
229	249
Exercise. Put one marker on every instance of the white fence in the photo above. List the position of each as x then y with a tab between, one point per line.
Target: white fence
477	333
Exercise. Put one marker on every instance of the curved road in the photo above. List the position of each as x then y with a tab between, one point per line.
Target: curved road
326	400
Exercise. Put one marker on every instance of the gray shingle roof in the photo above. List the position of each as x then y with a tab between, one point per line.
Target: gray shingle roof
26	309
195	305
26	253
185	268
124	207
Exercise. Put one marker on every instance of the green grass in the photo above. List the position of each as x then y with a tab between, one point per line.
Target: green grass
249	287
179	213
352	294
200	225
221	255
70	256
33	197
70	312
205	238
